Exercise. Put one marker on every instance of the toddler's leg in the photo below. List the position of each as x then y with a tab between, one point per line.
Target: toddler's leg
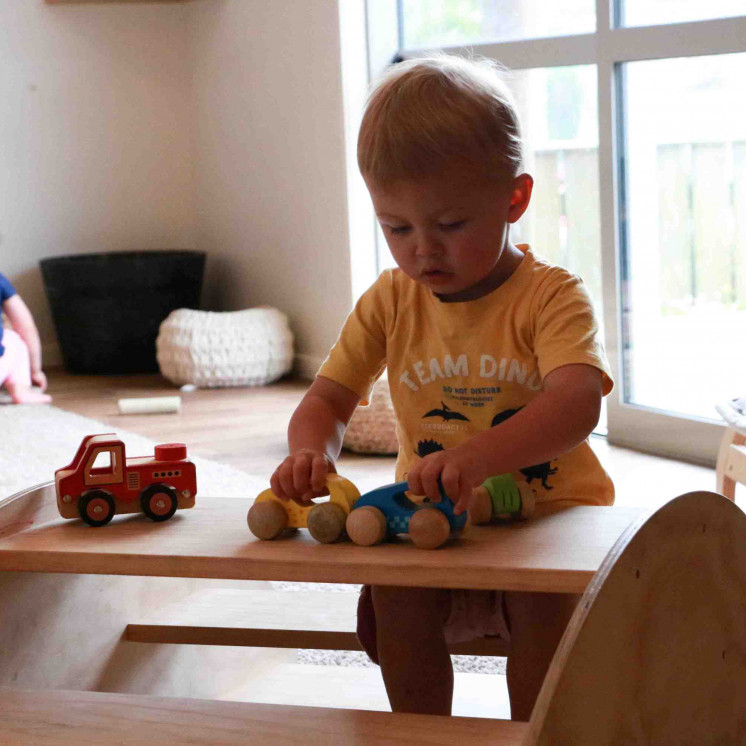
412	651
537	622
15	369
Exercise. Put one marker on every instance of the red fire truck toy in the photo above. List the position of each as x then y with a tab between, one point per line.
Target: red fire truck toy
101	481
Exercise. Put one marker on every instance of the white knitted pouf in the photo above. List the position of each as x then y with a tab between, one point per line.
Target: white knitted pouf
372	429
234	348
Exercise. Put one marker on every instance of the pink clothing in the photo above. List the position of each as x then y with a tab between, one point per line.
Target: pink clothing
15	364
473	614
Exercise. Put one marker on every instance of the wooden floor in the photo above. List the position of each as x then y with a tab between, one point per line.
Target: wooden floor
246	428
243	427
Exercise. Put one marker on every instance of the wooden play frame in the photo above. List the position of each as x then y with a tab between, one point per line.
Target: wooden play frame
68	592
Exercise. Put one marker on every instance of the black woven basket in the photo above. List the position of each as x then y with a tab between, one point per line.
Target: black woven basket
107	307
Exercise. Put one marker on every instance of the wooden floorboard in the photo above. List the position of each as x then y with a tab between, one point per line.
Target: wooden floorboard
243	427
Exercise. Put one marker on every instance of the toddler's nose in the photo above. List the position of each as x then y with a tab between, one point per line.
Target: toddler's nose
428	246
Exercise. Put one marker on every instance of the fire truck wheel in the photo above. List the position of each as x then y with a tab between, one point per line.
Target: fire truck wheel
96	507
159	502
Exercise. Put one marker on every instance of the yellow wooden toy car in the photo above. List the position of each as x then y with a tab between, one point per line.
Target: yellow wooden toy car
269	516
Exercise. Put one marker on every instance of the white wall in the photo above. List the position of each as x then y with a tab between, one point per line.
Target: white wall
270	162
95	136
212	124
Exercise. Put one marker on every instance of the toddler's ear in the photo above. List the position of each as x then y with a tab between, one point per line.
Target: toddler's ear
523	185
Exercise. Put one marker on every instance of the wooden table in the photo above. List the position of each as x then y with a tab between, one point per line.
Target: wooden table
67	590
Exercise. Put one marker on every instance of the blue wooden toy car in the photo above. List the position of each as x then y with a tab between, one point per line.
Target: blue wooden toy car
387	511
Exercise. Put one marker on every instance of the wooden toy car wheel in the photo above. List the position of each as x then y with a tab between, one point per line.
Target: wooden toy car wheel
267	519
159	502
428	528
366	525
326	522
96	507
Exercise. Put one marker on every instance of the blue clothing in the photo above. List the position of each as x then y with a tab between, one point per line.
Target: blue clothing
6	291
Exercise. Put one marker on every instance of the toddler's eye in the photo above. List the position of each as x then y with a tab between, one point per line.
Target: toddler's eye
398	229
455	225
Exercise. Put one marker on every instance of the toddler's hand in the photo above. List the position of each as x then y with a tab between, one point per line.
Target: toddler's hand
302	476
39	379
457	469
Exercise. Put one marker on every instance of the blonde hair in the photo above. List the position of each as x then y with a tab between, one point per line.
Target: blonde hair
427	112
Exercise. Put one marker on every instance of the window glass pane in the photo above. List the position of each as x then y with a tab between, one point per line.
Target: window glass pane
652	12
441	23
558	109
685	260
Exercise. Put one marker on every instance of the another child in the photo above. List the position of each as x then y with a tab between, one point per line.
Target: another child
493	360
20	350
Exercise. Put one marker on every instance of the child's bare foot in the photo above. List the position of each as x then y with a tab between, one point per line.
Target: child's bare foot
28	395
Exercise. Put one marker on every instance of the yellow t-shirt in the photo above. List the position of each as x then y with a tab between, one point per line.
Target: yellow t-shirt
455	369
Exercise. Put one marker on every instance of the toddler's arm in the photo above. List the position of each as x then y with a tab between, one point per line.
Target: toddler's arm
315	437
555	422
23	323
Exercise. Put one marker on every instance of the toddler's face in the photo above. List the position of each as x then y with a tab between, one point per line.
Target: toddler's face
449	232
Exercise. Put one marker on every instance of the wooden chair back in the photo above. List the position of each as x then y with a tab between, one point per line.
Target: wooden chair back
656	651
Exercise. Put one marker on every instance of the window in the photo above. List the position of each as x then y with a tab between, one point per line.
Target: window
104	462
103	466
652	12
560	124
442	23
635	124
685	264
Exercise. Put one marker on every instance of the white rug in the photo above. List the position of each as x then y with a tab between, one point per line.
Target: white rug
36	440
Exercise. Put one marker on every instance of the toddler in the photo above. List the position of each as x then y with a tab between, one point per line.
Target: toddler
20	350
493	361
